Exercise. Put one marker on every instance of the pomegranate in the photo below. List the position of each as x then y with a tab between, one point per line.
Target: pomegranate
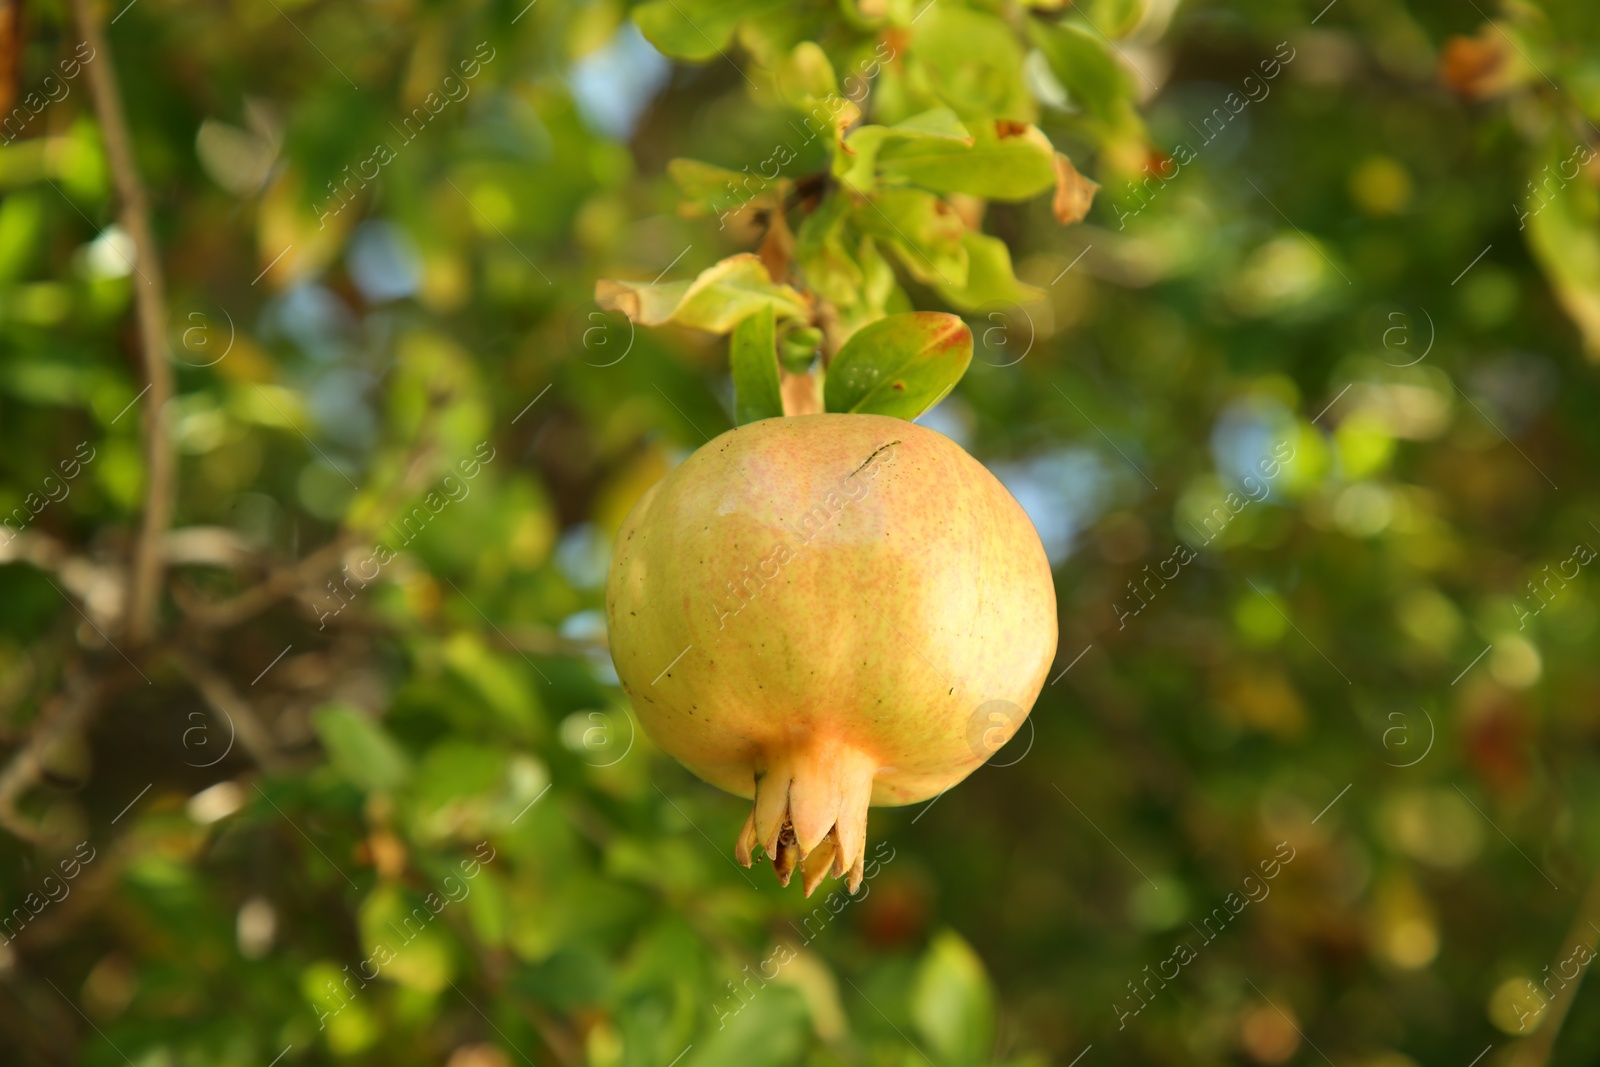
814	611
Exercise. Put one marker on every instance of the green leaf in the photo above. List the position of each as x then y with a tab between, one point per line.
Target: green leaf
717	300
404	938
1562	235
901	365
1000	161
953	1004
754	355
974	63
990	279
695	30
706	188
499	680
820	252
1096	81
768	1030
856	165
359	748
923	230
806	75
1117	18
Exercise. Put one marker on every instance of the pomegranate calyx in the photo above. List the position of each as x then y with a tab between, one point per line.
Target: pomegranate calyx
810	811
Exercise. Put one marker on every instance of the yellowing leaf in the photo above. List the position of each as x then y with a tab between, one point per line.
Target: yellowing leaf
717	300
1074	192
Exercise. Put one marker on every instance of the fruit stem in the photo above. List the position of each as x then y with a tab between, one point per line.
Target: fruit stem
802	393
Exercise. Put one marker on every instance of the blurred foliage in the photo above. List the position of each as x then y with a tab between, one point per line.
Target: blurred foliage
1304	411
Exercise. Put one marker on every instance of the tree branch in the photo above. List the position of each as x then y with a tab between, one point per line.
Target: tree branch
1535	1051
63	714
150	302
226	701
291	579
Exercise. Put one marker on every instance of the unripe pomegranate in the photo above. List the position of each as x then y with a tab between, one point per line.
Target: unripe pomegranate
810	610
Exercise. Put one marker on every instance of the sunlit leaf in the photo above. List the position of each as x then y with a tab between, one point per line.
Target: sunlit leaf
696	30
761	1031
1561	232
406	937
974	63
937	130
1001	161
901	365
1116	18
717	300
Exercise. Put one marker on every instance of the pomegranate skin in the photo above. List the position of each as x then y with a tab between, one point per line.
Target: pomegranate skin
820	612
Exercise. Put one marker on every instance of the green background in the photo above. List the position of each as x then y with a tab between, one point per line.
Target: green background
1369	265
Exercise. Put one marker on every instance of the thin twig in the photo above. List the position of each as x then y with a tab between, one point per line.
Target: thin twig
291	579
1535	1051
64	713
275	587
150	302
36	549
226	701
